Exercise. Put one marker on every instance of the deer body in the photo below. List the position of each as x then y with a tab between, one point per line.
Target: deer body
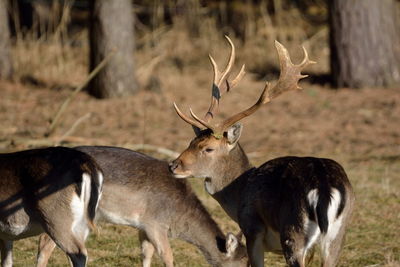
288	195
53	190
285	205
139	191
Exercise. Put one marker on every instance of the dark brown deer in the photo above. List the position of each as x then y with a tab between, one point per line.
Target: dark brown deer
285	205
139	191
52	190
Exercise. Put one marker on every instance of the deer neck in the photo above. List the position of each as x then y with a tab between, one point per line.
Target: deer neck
228	181
202	231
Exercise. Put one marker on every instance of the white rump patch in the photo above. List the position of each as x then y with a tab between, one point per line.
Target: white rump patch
313	198
311	228
100	189
334	206
101	179
85	190
78	208
334	223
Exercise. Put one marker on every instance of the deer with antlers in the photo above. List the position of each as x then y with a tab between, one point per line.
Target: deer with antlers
287	204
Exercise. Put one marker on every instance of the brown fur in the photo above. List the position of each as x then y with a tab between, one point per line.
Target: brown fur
140	191
36	189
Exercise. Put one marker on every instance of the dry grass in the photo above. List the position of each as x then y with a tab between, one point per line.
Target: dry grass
357	128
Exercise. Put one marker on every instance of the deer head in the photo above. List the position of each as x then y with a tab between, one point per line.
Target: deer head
215	148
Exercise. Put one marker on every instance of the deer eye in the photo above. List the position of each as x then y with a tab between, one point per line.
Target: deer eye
208	150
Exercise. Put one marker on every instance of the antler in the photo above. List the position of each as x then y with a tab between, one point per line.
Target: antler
196	126
288	80
220	86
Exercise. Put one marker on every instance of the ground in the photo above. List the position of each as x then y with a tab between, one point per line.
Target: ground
357	128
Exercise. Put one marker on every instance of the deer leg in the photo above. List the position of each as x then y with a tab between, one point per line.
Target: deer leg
147	248
254	231
331	245
68	225
71	242
159	238
312	233
309	256
74	248
332	240
293	246
6	247
255	248
46	247
77	259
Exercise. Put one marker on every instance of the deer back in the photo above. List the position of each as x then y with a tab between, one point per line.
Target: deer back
137	183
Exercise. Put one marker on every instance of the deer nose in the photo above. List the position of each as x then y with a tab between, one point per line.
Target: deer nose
174	164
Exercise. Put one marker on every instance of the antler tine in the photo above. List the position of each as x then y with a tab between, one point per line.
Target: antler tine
306	61
228	67
214	65
237	117
290	73
237	79
202	122
221	84
220	76
196	125
288	80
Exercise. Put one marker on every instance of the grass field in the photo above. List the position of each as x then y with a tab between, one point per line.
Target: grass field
372	239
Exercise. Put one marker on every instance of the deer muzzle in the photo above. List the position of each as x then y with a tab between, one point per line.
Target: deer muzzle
173	165
177	169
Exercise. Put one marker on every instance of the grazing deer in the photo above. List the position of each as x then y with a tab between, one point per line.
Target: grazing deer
286	204
53	190
139	191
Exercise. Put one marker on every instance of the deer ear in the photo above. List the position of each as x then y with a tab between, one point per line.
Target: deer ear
196	130
231	244
233	133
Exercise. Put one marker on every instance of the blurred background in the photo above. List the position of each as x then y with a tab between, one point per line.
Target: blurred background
107	72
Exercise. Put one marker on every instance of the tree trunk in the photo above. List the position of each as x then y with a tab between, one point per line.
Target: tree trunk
111	30
365	43
5	47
